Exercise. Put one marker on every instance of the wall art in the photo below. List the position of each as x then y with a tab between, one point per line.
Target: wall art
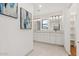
9	9
25	19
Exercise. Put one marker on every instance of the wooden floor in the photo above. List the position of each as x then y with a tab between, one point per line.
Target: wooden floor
43	49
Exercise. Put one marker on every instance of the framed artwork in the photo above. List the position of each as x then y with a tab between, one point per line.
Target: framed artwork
9	9
25	19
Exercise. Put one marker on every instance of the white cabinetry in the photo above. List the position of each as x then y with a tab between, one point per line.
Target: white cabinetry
59	38
50	37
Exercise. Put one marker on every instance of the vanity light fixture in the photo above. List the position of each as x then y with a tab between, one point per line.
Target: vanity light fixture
40	6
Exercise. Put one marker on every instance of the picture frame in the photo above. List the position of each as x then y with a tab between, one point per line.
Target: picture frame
25	19
9	9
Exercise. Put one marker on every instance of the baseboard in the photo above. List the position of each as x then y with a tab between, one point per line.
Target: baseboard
29	53
48	43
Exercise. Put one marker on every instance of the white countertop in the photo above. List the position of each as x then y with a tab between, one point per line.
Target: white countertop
49	32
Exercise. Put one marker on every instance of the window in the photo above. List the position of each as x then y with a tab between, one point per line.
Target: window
44	24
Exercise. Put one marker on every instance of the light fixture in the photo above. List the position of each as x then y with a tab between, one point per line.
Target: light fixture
50	17
57	17
40	6
60	17
54	17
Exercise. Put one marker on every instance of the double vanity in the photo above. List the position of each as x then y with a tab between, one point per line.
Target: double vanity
49	37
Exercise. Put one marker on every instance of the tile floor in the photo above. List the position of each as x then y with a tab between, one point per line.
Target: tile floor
43	49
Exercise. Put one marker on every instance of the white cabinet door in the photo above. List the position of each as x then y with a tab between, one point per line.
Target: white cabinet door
59	39
52	38
56	38
45	37
42	37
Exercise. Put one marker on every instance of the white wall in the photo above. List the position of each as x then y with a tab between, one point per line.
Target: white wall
73	11
66	31
48	15
45	16
13	40
77	29
47	35
67	26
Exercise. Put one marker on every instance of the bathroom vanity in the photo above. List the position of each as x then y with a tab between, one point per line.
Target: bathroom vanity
49	37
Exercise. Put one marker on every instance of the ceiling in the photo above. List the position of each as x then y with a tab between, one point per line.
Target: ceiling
45	8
